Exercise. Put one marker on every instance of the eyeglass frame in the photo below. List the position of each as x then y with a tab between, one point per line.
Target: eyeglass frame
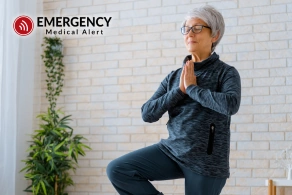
192	28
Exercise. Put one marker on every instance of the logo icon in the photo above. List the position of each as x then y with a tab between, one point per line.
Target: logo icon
23	25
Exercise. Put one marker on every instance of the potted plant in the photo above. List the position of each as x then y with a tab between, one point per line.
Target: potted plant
54	149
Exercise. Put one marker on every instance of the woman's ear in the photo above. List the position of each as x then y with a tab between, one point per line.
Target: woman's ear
214	39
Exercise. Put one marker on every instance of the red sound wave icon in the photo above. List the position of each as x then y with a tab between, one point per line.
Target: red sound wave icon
23	25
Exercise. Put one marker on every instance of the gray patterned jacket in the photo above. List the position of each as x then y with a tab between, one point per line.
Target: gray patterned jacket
199	121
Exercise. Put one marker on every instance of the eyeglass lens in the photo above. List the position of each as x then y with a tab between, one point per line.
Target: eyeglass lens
195	29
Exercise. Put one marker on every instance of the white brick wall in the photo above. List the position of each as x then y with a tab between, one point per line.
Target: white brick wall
110	76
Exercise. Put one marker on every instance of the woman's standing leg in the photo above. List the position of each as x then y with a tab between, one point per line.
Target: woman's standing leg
131	173
196	184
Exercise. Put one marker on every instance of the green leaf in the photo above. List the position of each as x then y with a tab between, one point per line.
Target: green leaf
66	118
60	154
51	162
37	188
28	187
59	145
74	157
70	150
43	187
58	133
66	126
31	148
35	155
40	167
29	191
24	168
48	156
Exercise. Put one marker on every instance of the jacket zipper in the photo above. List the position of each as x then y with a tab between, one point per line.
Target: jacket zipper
211	139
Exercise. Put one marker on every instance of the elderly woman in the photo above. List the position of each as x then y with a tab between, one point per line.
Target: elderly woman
200	98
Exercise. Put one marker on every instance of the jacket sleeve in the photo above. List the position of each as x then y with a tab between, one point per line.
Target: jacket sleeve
161	101
227	101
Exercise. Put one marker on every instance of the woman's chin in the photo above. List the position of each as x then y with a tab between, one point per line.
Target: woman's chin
192	50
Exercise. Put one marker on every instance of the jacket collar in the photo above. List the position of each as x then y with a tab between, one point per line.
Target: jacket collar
205	63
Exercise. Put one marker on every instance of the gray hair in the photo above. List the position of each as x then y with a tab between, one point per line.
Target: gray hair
213	19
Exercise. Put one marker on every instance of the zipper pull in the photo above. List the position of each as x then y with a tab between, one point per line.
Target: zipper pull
211	139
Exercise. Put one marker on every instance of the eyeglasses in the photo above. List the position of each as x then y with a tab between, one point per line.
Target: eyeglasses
196	29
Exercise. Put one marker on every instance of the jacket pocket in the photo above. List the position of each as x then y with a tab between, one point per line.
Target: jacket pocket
211	139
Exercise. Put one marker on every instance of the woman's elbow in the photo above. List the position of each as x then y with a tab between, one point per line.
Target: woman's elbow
231	112
145	118
234	107
148	119
145	115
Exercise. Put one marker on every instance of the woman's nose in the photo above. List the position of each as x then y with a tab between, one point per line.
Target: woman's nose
191	33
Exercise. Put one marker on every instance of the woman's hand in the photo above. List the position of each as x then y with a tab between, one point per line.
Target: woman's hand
189	74
181	81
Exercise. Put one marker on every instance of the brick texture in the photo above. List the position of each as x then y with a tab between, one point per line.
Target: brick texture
110	76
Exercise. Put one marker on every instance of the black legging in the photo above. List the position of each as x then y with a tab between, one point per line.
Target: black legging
131	173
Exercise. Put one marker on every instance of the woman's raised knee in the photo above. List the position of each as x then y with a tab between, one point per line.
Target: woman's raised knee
111	169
